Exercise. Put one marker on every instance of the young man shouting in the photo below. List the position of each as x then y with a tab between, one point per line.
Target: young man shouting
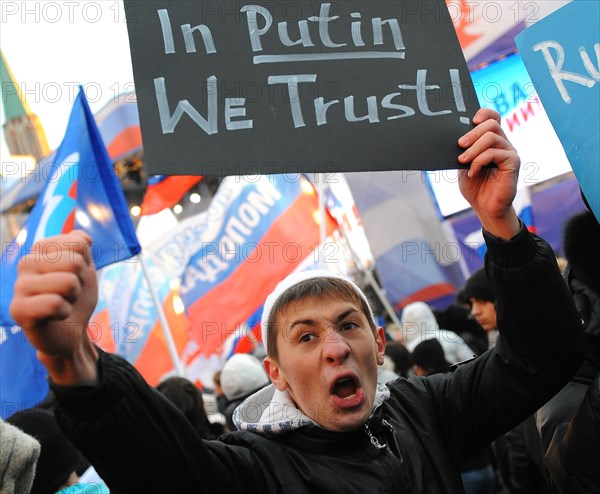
325	424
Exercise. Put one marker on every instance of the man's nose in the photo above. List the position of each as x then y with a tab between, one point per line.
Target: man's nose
335	348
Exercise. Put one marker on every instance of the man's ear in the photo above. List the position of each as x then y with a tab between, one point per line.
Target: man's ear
380	341
275	374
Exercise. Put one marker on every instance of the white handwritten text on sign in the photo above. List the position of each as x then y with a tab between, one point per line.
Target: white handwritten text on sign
343	86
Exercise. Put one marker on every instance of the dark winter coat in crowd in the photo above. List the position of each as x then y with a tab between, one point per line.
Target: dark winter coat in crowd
527	472
414	441
189	399
569	424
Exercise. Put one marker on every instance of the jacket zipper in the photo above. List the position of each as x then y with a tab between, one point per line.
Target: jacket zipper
374	441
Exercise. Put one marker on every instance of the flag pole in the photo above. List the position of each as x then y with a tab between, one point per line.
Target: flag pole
320	177
384	300
163	320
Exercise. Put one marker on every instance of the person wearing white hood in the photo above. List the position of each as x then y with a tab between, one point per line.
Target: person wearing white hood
242	375
419	324
325	424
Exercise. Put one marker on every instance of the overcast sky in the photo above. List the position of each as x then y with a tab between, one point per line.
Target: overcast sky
53	46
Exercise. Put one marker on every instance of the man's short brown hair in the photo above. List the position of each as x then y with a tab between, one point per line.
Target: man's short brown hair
314	287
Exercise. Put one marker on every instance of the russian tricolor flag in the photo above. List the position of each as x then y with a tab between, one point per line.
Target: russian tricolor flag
164	191
259	229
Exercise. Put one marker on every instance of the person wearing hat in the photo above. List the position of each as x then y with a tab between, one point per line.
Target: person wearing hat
480	296
58	460
419	324
324	424
241	376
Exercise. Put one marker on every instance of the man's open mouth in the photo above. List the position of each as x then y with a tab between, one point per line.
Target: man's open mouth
345	388
347	392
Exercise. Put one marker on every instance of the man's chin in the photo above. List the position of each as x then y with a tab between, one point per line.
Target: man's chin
346	420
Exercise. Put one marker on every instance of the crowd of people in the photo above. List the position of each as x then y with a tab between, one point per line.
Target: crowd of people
498	393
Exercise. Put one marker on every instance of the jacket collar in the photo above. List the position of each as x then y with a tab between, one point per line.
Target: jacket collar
272	412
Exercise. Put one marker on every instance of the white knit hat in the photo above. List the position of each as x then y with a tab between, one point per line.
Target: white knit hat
241	375
296	278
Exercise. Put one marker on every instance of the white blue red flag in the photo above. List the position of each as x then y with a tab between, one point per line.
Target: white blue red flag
81	192
246	339
258	230
416	257
164	191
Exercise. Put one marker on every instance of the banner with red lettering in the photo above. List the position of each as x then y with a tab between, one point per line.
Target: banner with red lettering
506	87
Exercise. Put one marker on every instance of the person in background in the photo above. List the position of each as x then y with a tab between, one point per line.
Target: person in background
241	376
218	390
428	358
19	453
482	300
400	356
419	324
385	372
569	424
55	472
211	408
457	317
188	398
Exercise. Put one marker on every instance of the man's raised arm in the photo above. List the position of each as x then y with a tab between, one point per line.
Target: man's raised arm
54	296
539	348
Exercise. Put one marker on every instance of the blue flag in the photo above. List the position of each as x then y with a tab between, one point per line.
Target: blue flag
561	53
81	192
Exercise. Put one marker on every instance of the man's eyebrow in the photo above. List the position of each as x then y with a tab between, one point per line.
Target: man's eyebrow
337	320
345	314
302	322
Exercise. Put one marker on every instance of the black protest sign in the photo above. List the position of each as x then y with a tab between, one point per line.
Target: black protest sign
239	88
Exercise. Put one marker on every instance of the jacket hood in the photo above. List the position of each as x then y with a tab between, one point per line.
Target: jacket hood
271	412
418	322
